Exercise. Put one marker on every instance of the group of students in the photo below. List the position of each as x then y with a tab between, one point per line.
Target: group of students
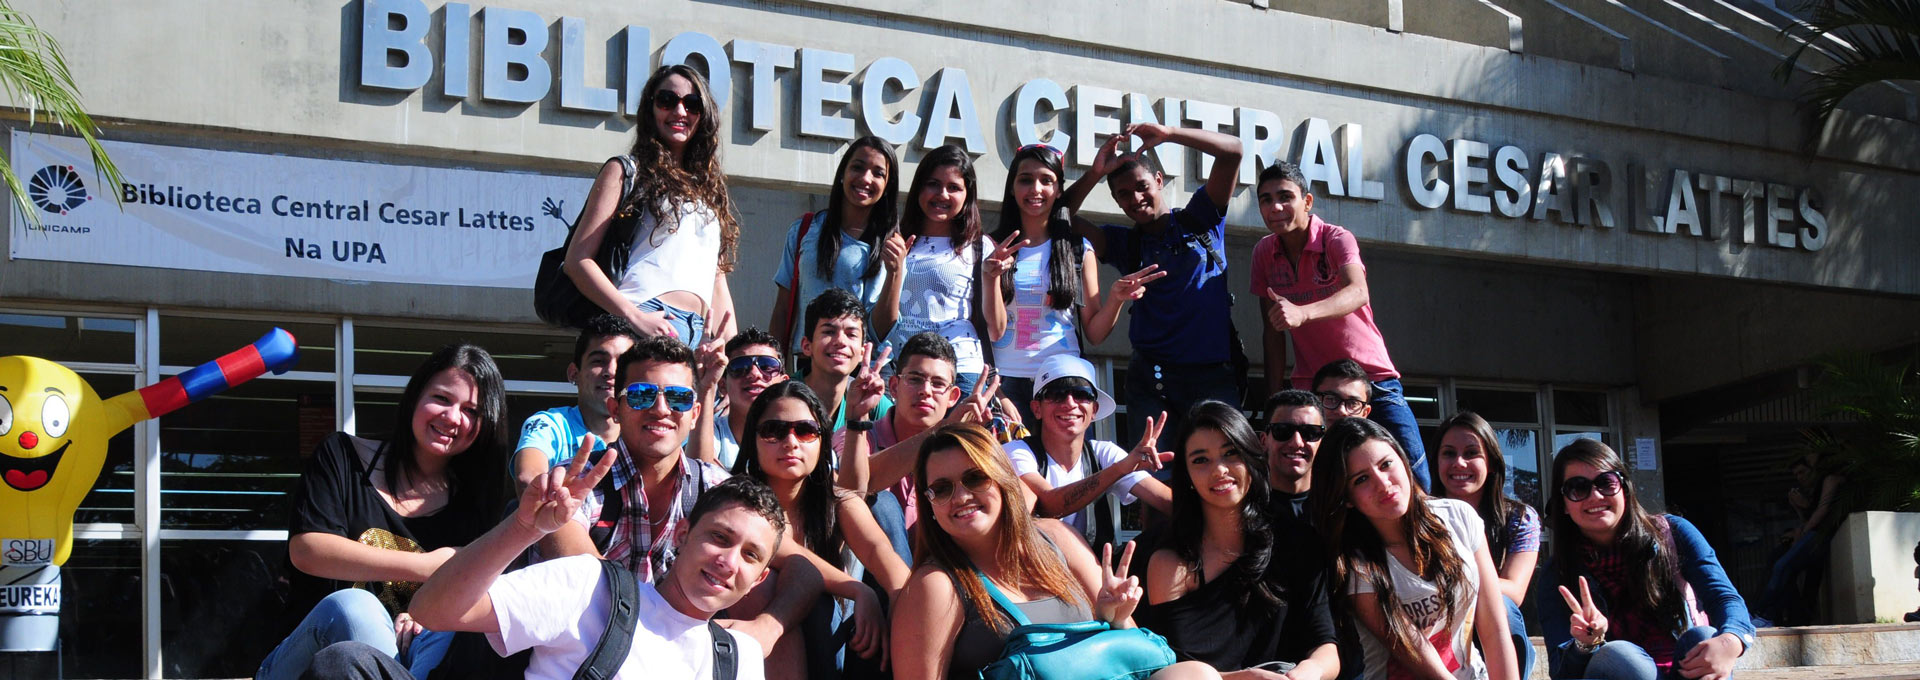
902	466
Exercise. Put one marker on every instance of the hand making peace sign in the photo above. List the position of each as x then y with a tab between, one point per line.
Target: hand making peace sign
1132	286
863	395
1589	625
1147	454
1119	593
551	499
1001	261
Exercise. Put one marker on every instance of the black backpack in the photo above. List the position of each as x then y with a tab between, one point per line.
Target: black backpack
1103	514
556	299
624	613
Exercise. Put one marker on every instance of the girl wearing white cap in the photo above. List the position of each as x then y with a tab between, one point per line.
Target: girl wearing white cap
1067	472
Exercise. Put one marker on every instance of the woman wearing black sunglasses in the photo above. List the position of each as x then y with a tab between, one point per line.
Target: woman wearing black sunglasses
669	274
1469	467
1229	586
790	455
1619	601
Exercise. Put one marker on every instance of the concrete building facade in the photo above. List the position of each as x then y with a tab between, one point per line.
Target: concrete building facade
1581	218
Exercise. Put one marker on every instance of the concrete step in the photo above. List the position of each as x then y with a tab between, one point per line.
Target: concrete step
1852	651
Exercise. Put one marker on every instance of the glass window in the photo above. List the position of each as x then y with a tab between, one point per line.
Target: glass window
1561	438
229	462
1424	400
100	620
1522	450
223	608
1499	405
191	341
111	500
60	338
536	356
1579	407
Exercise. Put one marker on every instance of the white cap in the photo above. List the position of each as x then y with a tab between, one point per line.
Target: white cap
1069	366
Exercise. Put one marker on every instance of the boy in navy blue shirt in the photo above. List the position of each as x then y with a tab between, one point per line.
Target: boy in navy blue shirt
1181	329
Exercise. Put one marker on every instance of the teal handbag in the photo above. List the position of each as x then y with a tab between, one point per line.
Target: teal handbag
1088	650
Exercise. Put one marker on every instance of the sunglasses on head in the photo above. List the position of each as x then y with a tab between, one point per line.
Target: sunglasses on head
1578	489
642	396
941	490
1285	431
739	366
664	100
775	430
1060	393
1038	147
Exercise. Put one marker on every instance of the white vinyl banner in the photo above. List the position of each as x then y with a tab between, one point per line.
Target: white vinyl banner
248	213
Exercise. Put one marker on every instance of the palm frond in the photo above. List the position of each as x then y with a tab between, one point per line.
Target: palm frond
1877	41
34	74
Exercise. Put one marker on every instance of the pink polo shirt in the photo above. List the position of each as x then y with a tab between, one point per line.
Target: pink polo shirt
882	437
1353	336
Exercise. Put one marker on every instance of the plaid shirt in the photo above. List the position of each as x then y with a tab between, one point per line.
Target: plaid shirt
635	541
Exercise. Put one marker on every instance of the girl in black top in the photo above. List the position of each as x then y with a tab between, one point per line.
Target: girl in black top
1228	587
373	519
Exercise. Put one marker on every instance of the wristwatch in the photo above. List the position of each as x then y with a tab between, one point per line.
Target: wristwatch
859	425
1599	639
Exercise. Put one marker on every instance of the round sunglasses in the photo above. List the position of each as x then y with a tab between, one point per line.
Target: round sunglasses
664	100
1578	489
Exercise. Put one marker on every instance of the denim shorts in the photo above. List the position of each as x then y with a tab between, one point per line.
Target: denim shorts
689	327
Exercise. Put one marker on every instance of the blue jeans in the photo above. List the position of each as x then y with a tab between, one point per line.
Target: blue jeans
689	327
892	518
1390	411
1622	660
1517	627
350	615
966	382
1153	387
1778	599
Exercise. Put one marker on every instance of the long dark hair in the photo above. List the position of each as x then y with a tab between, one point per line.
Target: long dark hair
1495	508
1650	586
477	479
1357	548
913	222
1248	573
1063	272
882	220
662	184
1021	552
818	528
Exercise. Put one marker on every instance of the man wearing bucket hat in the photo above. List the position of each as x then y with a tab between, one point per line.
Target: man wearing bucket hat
1067	472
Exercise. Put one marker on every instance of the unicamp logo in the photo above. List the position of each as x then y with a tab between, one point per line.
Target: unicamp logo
57	189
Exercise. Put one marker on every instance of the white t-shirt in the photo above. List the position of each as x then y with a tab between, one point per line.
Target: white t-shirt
1107	453
1420	599
1035	329
936	294
684	255
559	609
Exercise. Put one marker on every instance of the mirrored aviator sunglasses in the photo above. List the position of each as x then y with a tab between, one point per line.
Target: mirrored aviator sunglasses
1577	489
642	396
739	366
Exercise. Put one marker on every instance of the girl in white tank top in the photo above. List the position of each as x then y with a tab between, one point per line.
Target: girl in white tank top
674	277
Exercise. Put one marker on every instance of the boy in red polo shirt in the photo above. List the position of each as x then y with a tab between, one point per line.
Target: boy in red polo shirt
1311	283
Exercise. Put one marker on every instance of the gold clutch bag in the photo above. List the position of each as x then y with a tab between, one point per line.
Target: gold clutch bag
394	594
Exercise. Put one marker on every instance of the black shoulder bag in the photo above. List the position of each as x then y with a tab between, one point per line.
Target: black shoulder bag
556	299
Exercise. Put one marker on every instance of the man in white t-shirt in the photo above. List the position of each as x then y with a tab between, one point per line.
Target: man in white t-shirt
560	608
1066	402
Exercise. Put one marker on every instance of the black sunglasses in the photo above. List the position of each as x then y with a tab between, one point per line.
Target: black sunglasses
941	490
775	430
664	100
643	396
1060	393
769	366
1285	431
1578	489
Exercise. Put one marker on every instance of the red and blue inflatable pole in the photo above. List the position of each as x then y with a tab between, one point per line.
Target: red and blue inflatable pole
276	351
